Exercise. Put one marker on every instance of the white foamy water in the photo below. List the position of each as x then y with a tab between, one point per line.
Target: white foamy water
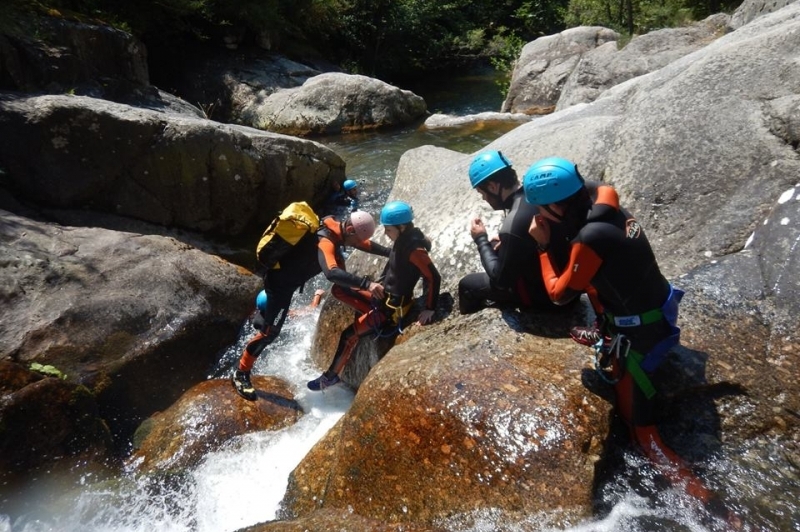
237	486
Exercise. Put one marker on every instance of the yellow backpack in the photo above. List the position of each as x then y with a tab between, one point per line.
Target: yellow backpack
284	232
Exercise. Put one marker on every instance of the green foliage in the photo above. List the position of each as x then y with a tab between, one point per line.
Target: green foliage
507	49
50	371
636	17
397	38
383	38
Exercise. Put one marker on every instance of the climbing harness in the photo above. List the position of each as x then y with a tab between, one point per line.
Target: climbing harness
624	359
399	308
604	352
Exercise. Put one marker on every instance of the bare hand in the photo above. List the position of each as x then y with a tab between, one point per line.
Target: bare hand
318	293
476	227
376	290
540	230
495	242
425	317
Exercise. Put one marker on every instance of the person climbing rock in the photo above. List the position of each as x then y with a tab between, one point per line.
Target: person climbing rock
322	251
383	314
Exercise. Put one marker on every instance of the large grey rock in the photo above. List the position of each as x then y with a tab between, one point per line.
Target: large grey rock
254	81
55	54
544	65
224	82
335	103
76	152
135	318
749	10
603	67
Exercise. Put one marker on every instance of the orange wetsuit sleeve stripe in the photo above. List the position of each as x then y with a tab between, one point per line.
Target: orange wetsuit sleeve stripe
607	195
594	300
420	258
328	250
577	274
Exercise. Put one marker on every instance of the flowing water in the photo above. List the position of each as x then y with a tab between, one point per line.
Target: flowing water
243	483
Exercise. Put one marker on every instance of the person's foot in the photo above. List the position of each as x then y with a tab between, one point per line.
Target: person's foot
588	336
241	381
322	382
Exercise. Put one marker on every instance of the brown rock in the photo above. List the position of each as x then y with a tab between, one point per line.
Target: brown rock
328	520
44	418
450	421
207	416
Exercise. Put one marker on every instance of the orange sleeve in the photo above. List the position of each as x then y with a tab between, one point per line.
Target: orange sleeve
576	276
420	258
328	254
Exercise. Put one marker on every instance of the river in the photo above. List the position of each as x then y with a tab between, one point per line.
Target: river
243	483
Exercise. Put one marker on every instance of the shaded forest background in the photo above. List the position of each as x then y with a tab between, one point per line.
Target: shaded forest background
393	40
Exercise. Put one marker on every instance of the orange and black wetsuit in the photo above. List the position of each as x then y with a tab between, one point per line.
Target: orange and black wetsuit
315	253
611	258
408	262
347	286
511	272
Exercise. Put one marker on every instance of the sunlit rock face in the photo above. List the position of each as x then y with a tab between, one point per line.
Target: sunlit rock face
544	65
749	10
208	415
743	313
76	152
488	410
334	103
610	64
339	520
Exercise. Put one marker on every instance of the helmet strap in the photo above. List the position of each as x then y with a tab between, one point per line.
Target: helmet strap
553	213
497	196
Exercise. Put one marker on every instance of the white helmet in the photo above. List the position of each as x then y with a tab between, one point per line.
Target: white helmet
361	224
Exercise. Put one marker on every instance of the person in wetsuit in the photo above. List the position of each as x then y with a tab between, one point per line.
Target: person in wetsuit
408	262
511	275
611	258
314	253
344	199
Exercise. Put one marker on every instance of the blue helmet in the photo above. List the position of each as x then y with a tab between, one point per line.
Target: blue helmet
396	213
551	180
349	184
261	301
486	164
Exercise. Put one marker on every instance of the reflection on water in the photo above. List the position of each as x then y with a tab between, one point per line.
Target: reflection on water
372	158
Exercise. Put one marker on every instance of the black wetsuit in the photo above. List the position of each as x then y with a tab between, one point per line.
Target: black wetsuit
512	275
399	279
612	256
